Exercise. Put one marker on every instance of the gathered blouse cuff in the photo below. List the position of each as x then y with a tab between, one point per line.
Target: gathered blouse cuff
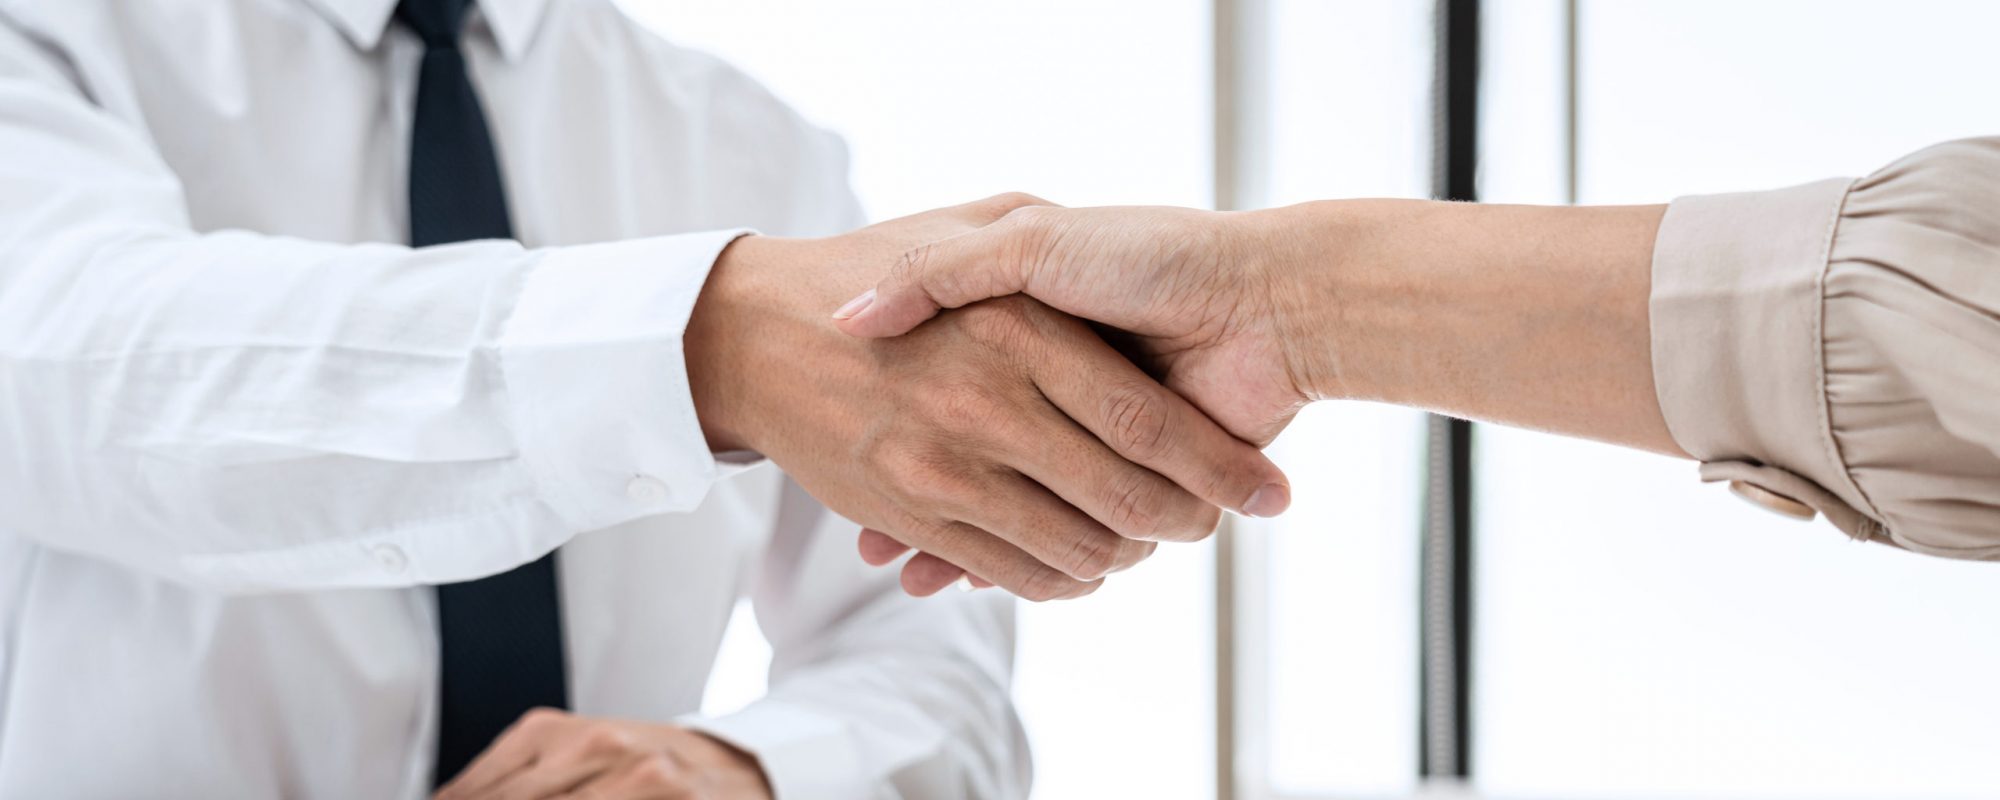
1834	348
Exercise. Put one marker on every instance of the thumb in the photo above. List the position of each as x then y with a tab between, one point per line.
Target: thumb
948	273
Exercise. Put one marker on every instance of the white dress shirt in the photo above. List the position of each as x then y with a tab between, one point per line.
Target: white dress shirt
242	429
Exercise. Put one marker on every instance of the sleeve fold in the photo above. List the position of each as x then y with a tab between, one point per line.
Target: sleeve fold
1838	344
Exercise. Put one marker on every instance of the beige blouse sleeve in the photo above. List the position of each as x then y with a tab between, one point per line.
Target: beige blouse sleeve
1836	347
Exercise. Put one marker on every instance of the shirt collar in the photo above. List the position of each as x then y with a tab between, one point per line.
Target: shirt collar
363	21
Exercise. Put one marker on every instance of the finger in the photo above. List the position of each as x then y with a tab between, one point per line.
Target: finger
996	560
642	777
943	223
542	779
878	548
1040	548
926	575
1049	528
1131	500
515	748
1151	426
976	265
579	754
987	211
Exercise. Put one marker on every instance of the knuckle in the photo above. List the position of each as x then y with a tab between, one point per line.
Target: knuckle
874	451
541	718
657	772
1031	215
1135	505
1032	233
1220	479
1043	585
1090	557
605	740
914	262
1200	523
1006	203
1193	525
911	471
929	532
927	482
1186	519
962	408
1003	320
1123	555
1136	421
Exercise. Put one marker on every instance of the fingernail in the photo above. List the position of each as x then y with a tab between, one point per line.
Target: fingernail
1269	500
964	583
855	306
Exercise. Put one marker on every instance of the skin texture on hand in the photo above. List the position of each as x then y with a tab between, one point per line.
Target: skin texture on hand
1198	301
555	754
1005	440
1530	316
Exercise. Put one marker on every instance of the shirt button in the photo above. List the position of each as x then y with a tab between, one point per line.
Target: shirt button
1772	501
391	558
646	490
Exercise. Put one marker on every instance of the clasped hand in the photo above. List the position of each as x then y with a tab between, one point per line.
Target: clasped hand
1005	440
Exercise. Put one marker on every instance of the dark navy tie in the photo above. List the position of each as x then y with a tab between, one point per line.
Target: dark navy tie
500	645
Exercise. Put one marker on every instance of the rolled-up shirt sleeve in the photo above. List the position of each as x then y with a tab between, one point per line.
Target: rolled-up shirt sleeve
1835	347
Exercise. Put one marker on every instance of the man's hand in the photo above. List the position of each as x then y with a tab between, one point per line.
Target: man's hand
1006	438
555	754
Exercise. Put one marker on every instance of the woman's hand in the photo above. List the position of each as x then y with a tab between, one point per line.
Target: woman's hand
1201	293
1534	316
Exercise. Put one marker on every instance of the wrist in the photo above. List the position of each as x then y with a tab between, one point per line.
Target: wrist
759	335
1528	315
714	340
732	771
1306	258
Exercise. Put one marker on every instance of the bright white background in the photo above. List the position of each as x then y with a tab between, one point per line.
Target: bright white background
1350	117
1640	635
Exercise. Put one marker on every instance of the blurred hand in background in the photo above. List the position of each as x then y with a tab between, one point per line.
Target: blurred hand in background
549	753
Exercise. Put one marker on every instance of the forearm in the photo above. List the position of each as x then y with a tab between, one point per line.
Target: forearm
1526	315
244	411
249	413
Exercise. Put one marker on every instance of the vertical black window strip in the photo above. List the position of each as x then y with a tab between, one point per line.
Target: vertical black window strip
1445	727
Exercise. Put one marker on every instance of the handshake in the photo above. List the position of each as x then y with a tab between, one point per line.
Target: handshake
1009	442
1016	445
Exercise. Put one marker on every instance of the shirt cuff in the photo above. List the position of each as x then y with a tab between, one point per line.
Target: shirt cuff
1737	357
806	755
592	358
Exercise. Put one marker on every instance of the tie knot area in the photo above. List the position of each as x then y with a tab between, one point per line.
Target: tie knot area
437	22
